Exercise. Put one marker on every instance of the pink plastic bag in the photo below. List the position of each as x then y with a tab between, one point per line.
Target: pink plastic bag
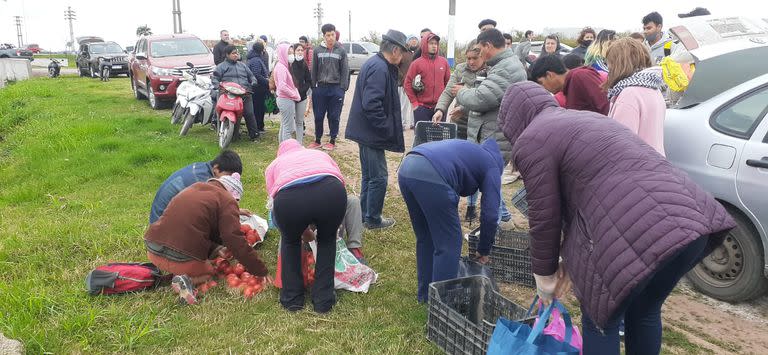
556	329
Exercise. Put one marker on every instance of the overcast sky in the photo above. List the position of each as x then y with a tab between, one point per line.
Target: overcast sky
44	24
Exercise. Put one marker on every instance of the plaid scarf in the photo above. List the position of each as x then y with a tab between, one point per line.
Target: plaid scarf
646	79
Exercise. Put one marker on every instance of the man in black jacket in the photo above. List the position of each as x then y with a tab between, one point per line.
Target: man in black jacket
218	50
233	70
375	124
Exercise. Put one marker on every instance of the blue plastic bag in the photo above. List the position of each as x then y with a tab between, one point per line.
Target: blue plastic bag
512	337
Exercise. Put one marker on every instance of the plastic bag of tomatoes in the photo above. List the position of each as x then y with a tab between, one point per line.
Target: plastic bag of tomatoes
307	267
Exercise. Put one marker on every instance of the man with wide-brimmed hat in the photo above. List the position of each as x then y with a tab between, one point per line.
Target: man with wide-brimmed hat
375	124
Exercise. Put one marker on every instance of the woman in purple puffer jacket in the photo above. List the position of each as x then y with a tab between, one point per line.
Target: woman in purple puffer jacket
633	224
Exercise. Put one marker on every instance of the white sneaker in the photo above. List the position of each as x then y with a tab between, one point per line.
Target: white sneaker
509	176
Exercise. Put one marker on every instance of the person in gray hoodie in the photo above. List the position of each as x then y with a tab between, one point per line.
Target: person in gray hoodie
655	35
330	80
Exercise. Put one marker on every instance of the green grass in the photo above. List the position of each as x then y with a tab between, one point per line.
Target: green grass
80	161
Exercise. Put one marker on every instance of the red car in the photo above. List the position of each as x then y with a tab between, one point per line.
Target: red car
34	48
157	62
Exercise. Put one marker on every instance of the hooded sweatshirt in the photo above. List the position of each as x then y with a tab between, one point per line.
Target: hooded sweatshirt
295	163
283	79
657	49
435	73
468	167
330	66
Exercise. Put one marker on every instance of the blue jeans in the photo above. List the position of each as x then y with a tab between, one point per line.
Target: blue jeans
642	309
433	207
374	183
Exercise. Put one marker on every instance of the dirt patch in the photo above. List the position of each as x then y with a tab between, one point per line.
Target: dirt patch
10	346
693	323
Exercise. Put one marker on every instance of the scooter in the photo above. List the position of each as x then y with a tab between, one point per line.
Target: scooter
193	100
229	109
54	69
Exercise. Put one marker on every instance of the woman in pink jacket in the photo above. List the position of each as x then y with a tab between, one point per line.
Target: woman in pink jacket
634	91
287	96
305	187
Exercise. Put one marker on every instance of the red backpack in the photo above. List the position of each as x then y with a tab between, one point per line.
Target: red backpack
116	278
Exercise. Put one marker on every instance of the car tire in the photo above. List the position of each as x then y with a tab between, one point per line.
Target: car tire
733	272
136	93
154	103
81	71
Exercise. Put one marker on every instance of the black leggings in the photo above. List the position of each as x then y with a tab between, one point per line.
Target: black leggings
322	203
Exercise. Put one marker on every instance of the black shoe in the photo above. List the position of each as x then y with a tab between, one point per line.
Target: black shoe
471	214
385	223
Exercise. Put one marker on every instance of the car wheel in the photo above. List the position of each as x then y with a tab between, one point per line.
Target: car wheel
136	94
733	272
154	103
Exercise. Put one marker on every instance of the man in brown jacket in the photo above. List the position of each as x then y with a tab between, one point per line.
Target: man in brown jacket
196	225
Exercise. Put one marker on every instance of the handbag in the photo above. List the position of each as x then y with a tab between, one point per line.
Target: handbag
511	337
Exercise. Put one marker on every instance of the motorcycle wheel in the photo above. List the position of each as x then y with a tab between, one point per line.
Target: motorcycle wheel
51	73
226	131
188	121
177	114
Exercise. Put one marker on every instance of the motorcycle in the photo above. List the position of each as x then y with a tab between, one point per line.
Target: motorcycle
229	109
54	68
193	100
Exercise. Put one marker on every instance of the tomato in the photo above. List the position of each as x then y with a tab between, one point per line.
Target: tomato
249	292
233	282
245	228
203	288
212	283
251	239
239	269
245	275
252	281
258	288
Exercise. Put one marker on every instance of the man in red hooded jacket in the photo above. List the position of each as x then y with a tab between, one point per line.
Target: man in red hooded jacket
426	79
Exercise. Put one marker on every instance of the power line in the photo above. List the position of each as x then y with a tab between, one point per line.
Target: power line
70	16
319	17
19	36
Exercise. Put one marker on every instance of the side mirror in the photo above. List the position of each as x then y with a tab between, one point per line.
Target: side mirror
365	52
141	56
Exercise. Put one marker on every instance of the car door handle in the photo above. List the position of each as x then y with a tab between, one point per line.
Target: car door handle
762	163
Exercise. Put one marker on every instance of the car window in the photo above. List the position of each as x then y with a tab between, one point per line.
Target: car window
370	47
177	47
346	48
106	48
740	118
357	49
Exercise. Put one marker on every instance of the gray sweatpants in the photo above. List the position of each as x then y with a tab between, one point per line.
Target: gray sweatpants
352	225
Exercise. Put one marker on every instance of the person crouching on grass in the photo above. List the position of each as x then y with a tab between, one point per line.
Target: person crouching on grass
196	226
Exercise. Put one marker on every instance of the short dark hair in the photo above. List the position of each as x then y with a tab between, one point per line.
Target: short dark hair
541	66
573	61
492	36
425	29
584	32
486	22
637	35
229	49
654	17
507	36
229	161
328	28
528	33
303	38
258	47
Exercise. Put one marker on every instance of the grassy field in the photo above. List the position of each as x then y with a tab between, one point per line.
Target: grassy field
80	161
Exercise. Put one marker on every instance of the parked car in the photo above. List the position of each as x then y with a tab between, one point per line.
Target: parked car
158	62
34	48
358	53
718	134
9	51
93	56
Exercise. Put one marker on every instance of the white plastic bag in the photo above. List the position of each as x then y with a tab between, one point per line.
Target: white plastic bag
350	274
256	223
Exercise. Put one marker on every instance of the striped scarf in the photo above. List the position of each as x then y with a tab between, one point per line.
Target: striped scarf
646	79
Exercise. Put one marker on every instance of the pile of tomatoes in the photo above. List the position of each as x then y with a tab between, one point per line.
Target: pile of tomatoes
238	279
251	235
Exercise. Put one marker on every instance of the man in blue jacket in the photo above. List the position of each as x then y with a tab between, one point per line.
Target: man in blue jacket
375	124
226	163
433	177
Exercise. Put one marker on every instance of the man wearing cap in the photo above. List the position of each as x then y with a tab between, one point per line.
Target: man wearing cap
198	223
426	79
375	124
218	50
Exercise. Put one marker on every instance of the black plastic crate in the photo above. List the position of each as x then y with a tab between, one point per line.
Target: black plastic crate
463	313
520	202
430	132
510	256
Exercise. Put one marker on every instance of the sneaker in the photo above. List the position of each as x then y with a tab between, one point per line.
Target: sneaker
385	223
182	285
358	255
314	145
329	146
509	177
471	214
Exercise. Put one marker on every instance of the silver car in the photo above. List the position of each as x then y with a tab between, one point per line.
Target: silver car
358	53
718	134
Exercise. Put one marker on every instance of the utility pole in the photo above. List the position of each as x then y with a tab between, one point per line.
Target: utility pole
350	26
319	17
70	16
177	16
451	25
19	36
